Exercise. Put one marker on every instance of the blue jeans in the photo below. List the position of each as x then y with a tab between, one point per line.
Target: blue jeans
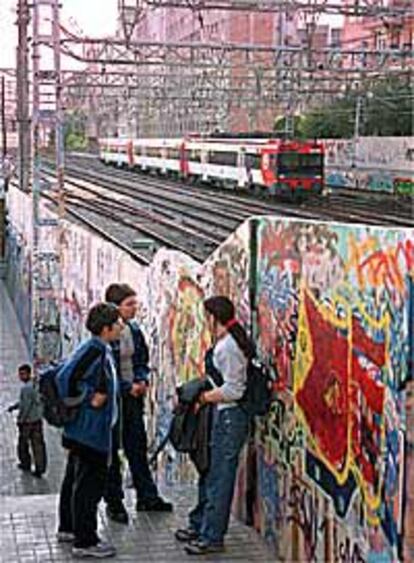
210	518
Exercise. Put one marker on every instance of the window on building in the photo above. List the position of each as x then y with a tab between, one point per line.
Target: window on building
336	37
395	39
380	41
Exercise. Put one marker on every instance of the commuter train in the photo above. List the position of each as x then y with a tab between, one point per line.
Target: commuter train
268	165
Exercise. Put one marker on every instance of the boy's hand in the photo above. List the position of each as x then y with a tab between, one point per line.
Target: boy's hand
98	400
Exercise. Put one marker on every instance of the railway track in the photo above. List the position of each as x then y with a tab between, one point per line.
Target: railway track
362	207
133	208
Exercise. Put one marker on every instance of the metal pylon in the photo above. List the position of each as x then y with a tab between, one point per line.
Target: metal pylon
47	224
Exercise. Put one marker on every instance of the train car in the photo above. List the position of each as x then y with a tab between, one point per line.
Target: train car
116	151
273	166
294	167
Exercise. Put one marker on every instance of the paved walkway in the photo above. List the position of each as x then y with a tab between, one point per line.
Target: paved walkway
28	505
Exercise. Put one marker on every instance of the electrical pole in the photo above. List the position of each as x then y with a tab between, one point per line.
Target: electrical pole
3	119
23	120
47	227
3	177
357	127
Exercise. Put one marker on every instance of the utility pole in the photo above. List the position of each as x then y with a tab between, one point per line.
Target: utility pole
23	120
3	177
3	119
357	127
47	227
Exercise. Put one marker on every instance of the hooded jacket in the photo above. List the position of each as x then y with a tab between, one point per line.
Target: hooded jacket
90	369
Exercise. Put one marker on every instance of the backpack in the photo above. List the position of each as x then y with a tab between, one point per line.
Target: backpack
56	410
257	397
258	394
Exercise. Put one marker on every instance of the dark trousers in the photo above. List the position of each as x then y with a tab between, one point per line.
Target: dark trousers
134	442
31	436
82	489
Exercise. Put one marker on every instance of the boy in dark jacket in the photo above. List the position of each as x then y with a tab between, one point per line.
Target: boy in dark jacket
131	356
89	372
29	424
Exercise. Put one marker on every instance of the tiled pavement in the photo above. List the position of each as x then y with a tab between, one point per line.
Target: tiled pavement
28	505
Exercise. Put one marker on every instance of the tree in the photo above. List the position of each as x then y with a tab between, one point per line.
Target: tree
333	121
280	126
75	130
389	109
386	110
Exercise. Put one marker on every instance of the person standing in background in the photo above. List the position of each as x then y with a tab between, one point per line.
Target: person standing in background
29	424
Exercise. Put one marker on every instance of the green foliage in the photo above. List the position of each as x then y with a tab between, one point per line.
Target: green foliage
389	112
386	110
75	130
73	141
280	127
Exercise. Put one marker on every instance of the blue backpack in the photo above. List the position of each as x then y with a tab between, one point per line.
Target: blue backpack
57	411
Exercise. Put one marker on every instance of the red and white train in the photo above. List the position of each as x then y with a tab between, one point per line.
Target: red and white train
276	166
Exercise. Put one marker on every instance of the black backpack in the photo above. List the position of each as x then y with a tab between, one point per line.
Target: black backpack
56	411
258	394
257	397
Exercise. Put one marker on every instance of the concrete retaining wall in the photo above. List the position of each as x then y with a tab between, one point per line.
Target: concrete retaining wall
382	164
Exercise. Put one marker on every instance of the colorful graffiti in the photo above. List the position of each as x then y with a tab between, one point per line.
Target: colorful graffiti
226	272
328	473
336	297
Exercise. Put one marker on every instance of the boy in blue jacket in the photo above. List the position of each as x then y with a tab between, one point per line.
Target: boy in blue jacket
131	356
89	372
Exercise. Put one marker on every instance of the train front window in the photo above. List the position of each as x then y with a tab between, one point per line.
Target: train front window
297	164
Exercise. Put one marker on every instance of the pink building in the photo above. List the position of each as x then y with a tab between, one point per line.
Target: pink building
242	108
389	32
216	26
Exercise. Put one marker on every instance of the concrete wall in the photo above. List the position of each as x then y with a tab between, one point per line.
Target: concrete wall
329	473
384	164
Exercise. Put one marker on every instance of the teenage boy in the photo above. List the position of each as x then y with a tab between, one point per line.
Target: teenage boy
89	372
131	356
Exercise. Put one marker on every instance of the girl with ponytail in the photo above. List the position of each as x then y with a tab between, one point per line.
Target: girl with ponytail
226	364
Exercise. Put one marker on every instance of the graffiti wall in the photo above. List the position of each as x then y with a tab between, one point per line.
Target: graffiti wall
89	264
18	256
333	320
372	163
328	474
179	337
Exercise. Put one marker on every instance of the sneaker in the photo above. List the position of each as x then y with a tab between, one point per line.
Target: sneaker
117	513
99	551
23	467
185	534
37	474
65	537
201	547
156	504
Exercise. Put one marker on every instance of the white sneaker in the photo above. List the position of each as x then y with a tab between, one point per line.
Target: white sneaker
99	551
65	537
